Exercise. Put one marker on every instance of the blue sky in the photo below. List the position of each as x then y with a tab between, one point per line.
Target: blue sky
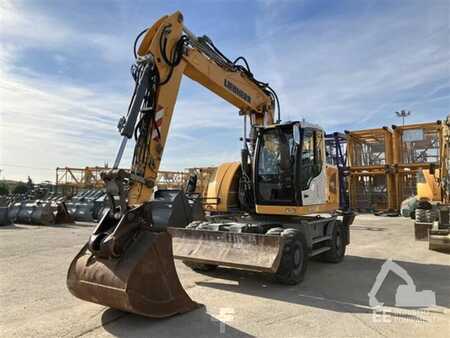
64	73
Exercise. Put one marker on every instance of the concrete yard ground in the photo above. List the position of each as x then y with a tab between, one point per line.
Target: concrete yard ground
331	302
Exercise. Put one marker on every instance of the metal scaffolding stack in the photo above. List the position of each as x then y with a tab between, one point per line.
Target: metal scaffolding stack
70	181
336	151
204	175
420	155
371	180
370	148
171	179
179	179
388	165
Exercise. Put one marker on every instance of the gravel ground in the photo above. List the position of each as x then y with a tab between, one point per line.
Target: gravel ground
331	302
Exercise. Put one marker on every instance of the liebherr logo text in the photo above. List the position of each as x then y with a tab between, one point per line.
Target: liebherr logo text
237	91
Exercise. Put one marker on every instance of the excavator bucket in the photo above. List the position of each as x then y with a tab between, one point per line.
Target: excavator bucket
238	250
61	214
141	280
35	212
4	219
439	240
39	212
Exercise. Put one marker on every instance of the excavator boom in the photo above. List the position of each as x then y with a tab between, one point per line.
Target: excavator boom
269	197
128	262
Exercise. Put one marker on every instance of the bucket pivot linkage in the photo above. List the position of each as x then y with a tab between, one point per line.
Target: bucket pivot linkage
128	263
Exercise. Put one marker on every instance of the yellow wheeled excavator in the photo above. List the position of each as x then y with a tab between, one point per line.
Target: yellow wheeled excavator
270	212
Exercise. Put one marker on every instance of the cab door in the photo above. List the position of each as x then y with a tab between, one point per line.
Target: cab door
274	169
311	176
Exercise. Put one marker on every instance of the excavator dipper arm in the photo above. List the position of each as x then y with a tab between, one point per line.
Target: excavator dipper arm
128	262
167	52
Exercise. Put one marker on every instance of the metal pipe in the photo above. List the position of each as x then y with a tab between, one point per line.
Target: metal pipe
120	152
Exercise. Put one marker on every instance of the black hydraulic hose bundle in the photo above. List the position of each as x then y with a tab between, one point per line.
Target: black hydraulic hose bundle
205	41
136	41
143	132
176	54
246	70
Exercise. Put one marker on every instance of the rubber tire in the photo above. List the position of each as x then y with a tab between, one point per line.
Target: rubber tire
423	216
275	231
292	268
200	267
337	252
424	205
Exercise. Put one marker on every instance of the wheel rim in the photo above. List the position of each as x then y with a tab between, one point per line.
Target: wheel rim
298	257
338	240
339	245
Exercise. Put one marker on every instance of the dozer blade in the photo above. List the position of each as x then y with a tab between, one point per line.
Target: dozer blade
143	280
238	250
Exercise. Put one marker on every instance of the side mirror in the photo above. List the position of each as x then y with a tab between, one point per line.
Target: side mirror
296	134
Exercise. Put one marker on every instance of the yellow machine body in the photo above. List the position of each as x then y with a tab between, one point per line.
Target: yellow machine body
222	194
428	187
128	261
222	191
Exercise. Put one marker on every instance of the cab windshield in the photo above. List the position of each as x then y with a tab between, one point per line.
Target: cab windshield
275	166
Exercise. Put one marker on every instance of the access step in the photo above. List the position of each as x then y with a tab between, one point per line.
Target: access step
320	239
319	251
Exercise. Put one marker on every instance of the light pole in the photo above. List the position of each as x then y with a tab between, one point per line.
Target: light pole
403	114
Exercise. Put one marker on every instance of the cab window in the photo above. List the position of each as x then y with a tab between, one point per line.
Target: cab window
311	157
275	167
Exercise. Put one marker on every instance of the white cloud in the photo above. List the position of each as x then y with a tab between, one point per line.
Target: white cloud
49	123
333	71
29	27
357	69
26	27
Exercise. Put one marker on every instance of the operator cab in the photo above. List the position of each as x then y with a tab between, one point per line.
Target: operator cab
289	167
